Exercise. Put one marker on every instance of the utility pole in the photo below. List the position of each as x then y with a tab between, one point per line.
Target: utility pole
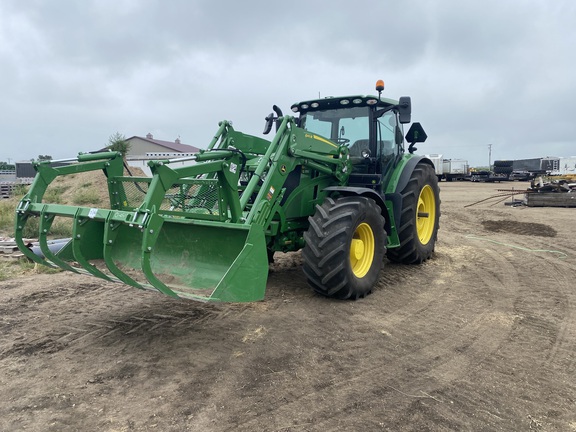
490	157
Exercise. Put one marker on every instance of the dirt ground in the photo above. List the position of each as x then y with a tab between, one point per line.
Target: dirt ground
482	337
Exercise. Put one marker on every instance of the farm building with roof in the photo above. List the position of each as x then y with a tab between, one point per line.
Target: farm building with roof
148	145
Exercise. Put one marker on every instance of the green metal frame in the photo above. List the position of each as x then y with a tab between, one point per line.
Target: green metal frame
201	231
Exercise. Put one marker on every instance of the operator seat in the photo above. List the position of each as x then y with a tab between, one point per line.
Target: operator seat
387	147
357	147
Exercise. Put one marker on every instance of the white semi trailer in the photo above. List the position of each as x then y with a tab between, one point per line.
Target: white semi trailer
449	169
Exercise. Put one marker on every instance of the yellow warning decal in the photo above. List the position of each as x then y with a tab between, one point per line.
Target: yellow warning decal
319	138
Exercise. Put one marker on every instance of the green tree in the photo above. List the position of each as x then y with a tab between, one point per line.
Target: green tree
44	158
117	142
5	166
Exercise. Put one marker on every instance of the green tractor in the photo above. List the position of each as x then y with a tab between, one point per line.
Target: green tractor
334	181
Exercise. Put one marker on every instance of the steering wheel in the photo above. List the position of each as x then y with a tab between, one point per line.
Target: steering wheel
342	140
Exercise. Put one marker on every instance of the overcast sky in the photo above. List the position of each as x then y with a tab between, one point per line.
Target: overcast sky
498	72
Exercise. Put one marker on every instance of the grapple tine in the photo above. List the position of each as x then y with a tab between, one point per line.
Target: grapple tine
46	220
148	241
110	234
21	220
156	283
84	231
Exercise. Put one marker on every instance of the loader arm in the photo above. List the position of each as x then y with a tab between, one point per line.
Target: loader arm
201	231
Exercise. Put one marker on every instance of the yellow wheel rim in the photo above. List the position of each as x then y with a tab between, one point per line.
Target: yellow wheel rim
362	250
426	214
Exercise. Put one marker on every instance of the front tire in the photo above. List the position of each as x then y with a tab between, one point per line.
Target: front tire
420	216
345	247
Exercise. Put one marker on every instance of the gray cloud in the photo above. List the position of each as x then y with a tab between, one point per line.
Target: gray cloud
73	73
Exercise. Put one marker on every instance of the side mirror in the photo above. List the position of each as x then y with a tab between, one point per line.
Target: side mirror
415	134
405	109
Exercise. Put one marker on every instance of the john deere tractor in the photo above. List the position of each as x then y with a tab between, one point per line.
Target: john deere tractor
335	181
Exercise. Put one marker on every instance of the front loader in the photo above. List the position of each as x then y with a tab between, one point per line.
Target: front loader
334	181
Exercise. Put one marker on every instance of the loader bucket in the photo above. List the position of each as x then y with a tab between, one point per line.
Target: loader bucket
179	232
204	261
200	261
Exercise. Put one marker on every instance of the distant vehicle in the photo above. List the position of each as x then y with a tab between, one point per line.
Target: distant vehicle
449	169
480	176
520	176
455	169
437	160
537	165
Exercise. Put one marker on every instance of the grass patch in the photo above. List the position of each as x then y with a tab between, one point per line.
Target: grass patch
7	215
53	194
20	190
88	189
61	228
10	268
75	190
86	196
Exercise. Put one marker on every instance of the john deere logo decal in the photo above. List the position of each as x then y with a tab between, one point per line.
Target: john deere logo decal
283	169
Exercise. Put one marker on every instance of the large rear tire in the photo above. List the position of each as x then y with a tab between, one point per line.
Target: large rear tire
420	216
345	247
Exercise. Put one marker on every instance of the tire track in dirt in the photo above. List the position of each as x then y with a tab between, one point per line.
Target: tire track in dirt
543	327
564	349
544	272
554	274
472	345
396	379
482	308
483	334
481	342
104	316
160	319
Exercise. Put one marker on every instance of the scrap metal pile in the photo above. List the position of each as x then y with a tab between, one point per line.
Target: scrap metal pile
538	185
555	193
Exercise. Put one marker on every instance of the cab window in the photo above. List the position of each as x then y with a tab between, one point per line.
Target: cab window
387	132
347	125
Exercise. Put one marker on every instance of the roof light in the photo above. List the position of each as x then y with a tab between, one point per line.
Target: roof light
357	101
344	102
379	85
295	109
314	104
304	106
371	101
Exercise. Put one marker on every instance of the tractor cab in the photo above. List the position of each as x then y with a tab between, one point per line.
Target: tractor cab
371	127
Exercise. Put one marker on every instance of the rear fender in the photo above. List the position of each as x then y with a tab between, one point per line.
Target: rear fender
398	181
368	193
358	191
403	172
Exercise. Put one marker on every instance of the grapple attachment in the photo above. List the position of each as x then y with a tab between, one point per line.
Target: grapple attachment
201	231
182	233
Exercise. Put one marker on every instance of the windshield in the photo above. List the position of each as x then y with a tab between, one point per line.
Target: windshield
347	125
